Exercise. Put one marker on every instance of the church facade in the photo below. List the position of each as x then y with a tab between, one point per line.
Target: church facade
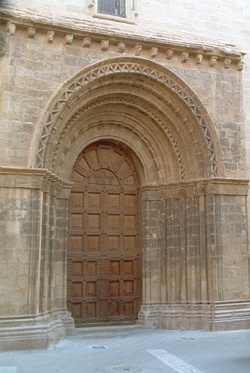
124	167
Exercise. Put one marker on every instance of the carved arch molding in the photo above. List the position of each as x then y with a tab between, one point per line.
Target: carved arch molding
138	84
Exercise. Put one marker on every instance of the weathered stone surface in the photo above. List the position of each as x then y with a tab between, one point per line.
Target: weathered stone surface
174	101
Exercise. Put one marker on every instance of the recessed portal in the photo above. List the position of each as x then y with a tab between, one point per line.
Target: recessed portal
104	264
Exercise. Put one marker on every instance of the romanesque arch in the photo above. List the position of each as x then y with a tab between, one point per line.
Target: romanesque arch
141	99
148	110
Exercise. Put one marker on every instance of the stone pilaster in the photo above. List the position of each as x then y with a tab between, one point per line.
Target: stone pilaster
151	257
201	264
33	283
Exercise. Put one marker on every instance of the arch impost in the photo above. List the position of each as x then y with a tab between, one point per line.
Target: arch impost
213	186
33	178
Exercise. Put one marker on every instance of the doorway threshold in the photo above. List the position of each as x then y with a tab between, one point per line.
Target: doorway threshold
109	328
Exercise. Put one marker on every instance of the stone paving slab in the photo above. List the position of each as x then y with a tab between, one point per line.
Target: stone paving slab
145	350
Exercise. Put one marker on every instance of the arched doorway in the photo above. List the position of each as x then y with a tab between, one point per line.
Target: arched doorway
186	197
104	263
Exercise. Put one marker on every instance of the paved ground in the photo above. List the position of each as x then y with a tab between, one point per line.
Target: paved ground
133	350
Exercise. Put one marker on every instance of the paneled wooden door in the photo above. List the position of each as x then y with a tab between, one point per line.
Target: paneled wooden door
104	264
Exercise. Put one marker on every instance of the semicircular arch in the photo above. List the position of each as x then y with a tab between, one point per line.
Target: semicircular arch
151	95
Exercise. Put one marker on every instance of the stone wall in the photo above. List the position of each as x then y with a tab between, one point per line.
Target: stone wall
226	21
196	244
175	100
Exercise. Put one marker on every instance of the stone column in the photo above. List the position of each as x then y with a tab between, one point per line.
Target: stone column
151	257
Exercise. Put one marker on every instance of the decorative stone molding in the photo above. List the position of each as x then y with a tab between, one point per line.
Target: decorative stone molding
69	39
144	108
31	32
213	61
169	54
121	47
50	36
227	62
87	42
199	58
35	331
135	48
240	65
154	52
3	44
138	50
131	67
184	56
208	187
215	316
11	28
33	179
165	42
104	45
21	178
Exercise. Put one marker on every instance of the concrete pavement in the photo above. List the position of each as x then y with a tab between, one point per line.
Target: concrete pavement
135	349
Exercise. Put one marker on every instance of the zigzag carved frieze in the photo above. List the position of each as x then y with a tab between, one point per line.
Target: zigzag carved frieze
112	100
128	68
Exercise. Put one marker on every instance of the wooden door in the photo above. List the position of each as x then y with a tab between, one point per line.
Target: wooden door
104	264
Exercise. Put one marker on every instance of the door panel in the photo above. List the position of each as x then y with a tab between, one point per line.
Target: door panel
104	264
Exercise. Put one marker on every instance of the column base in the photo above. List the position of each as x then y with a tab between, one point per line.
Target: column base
34	332
216	316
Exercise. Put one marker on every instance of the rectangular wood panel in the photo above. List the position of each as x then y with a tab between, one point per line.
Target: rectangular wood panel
113	202
76	222
77	268
75	244
113	243
76	309
76	291
90	310
128	308
114	308
129	223
76	201
91	289
114	288
128	267
93	243
93	221
94	201
130	243
115	268
114	222
128	287
130	202
91	268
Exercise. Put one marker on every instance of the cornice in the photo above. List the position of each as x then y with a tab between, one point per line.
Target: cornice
30	178
135	37
195	188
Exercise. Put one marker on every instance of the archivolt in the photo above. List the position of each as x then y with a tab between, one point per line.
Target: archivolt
113	100
123	66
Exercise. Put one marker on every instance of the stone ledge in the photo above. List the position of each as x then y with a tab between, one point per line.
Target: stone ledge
213	316
216	186
30	178
34	332
152	39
